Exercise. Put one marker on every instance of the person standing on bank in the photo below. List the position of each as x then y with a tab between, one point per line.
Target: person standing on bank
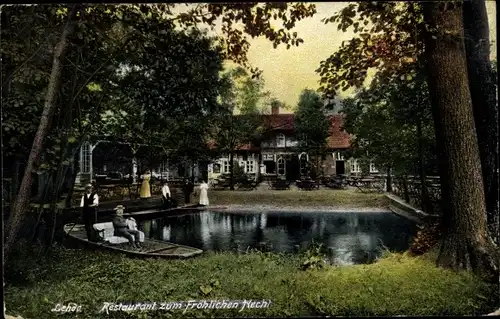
204	194
187	189
145	188
166	195
89	203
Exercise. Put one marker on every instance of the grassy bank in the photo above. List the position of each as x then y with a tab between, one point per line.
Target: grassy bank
322	197
396	285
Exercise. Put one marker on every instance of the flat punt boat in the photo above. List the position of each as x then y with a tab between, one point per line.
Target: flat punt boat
150	247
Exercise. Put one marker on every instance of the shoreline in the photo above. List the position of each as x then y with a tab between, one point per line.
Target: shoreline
299	209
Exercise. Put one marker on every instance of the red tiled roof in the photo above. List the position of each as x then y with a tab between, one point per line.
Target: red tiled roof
337	139
279	121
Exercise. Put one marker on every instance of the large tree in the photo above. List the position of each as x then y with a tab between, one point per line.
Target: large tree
394	129
484	101
466	243
182	76
22	200
97	26
239	116
311	125
390	38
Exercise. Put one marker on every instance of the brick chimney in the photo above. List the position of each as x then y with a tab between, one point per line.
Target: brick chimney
275	109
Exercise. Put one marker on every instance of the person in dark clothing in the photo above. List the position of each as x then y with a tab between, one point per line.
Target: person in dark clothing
121	228
89	203
188	189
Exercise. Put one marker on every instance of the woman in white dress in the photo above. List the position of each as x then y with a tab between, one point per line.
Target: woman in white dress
203	194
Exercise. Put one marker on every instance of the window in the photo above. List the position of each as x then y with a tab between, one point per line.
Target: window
355	167
339	156
281	166
268	157
249	166
280	140
303	166
373	169
225	167
216	168
291	143
86	157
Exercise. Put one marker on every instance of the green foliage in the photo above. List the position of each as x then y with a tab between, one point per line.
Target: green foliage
182	80
314	257
108	37
385	125
311	123
238	117
388	39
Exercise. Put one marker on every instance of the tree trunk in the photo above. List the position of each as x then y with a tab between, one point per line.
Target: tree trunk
76	165
406	192
14	186
421	161
231	171
134	167
483	95
389	180
55	196
20	206
466	244
259	161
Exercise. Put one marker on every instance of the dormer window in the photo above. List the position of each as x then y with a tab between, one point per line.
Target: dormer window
280	140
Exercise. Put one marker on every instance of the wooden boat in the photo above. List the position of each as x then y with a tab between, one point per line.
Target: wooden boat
150	247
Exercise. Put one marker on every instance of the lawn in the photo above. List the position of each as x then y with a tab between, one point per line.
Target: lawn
395	285
321	197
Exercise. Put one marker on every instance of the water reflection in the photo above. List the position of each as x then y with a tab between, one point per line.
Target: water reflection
351	238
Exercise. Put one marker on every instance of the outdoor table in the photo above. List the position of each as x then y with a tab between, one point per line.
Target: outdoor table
367	184
308	184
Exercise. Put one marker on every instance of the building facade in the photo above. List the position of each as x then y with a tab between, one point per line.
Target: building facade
279	157
276	157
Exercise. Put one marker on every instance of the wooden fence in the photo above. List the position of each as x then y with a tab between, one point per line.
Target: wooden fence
409	188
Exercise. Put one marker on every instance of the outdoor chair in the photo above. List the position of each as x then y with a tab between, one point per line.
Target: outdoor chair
280	185
307	185
221	184
248	185
336	183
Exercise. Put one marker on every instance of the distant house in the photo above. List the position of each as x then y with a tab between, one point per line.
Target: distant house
279	156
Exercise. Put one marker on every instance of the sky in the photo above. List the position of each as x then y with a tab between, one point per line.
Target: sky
288	72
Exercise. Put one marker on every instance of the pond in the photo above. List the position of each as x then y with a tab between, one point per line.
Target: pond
351	238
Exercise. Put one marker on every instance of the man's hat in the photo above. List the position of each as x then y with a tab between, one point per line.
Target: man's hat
119	207
88	186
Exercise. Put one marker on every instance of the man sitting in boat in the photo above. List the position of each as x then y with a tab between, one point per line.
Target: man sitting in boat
121	228
166	196
89	203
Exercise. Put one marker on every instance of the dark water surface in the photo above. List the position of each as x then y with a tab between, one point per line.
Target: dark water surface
352	238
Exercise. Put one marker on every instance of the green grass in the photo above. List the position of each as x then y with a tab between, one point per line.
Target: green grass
322	197
396	285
